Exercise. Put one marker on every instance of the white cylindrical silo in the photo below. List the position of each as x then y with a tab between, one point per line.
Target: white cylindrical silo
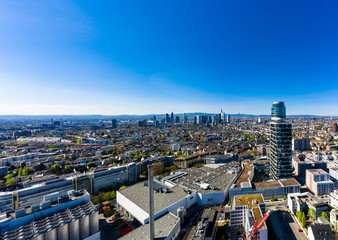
94	222
51	234
63	232
84	227
39	236
74	230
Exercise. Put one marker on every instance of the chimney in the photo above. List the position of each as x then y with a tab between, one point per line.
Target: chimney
151	200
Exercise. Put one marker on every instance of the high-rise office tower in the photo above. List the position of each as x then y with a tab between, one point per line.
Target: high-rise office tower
167	120
280	143
185	119
222	117
172	117
228	118
114	123
334	128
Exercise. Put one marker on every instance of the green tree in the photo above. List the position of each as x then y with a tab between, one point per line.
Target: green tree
11	181
2	183
69	168
79	140
9	176
325	215
299	215
29	178
312	213
20	172
27	171
284	197
303	220
123	187
91	164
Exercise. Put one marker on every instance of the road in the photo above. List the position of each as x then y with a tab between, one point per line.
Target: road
284	226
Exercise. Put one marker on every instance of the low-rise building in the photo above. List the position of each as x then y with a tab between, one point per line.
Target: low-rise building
320	232
334	218
166	227
305	201
244	185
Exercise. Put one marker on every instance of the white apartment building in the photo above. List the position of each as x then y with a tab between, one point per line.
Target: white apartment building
318	181
244	209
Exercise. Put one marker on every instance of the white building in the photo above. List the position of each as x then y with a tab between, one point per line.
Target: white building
133	200
244	209
305	201
318	181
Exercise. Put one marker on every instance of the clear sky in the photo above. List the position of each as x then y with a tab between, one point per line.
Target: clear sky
140	57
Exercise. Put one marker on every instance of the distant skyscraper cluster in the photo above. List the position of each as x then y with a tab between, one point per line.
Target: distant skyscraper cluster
212	120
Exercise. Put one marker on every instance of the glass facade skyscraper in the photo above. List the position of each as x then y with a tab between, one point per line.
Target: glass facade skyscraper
280	143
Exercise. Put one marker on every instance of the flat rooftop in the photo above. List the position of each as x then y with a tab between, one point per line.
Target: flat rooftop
251	200
288	182
163	227
317	171
218	175
138	194
244	177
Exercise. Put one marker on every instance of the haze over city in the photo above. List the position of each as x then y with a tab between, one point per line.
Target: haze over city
127	57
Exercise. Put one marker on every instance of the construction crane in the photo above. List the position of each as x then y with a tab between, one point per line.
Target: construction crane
254	232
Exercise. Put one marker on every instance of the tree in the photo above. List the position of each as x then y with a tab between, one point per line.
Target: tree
20	172
69	168
325	215
312	213
40	167
123	187
11	181
9	176
284	197
2	183
56	169
91	164
79	140
299	215
27	171
303	220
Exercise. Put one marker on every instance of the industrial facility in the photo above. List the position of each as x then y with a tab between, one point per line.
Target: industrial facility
72	216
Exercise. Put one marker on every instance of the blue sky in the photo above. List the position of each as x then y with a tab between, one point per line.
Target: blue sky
139	57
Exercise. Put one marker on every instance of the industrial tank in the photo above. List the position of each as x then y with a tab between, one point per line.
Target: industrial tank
84	226
51	234
38	236
94	222
63	232
74	230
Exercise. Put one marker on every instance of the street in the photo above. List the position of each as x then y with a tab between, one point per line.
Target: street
284	226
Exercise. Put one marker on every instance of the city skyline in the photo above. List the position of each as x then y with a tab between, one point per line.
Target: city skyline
75	58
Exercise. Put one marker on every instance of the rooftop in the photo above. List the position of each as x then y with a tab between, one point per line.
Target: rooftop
163	227
289	182
209	178
316	171
251	200
138	194
244	177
